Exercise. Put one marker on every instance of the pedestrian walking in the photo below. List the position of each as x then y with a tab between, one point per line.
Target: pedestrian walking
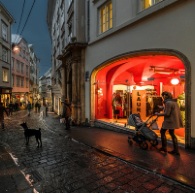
2	111
29	107
36	106
66	112
39	107
11	108
172	121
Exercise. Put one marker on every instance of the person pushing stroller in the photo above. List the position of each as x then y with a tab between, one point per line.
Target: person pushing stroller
172	121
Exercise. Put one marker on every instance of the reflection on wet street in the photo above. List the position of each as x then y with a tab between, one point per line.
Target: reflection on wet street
64	165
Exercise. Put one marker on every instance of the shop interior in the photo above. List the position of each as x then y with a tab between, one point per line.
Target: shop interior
134	85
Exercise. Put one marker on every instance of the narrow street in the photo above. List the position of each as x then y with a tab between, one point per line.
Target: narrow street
66	165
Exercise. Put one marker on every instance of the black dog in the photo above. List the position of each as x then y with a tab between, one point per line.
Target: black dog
32	132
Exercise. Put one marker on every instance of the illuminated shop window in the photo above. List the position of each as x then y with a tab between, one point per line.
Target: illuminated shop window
149	3
5	75
105	17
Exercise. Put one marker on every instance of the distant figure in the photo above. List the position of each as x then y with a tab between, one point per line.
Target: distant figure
29	107
11	108
2	110
39	107
66	112
36	106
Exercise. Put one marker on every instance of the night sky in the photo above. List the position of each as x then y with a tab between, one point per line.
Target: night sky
35	31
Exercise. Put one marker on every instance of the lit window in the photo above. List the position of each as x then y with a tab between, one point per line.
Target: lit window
149	3
4	30
5	75
105	17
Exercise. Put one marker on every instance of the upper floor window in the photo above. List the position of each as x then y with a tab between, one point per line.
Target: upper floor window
4	30
18	66
4	54
18	81
22	68
27	69
149	3
105	17
5	74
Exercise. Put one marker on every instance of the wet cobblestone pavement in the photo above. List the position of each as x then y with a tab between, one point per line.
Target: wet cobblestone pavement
64	165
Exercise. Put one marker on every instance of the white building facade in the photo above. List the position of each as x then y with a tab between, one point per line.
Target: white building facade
123	54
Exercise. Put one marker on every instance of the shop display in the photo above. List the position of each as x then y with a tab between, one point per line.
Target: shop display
181	103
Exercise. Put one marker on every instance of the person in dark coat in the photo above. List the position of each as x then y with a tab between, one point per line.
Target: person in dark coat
66	113
29	107
2	111
172	121
11	108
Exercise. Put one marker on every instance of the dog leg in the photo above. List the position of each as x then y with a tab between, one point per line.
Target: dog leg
27	140
37	142
40	141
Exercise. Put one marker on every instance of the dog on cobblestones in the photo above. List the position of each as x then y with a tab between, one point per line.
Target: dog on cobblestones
32	132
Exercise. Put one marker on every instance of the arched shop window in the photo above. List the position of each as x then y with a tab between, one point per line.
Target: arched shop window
135	84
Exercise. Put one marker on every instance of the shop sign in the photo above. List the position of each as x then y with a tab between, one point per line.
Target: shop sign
139	102
6	91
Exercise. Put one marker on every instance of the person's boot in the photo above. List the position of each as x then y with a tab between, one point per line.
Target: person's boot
175	150
164	143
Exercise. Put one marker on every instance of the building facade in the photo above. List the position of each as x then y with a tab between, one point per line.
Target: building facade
123	54
45	86
20	72
66	23
34	76
5	55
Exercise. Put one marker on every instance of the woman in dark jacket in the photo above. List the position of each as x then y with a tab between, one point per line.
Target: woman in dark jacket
172	121
2	110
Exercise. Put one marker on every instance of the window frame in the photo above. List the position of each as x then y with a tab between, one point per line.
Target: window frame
4	30
4	54
149	3
5	74
105	17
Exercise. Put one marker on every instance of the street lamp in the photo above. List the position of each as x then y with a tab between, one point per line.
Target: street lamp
15	48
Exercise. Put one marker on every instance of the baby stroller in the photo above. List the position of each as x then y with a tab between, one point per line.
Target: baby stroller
144	133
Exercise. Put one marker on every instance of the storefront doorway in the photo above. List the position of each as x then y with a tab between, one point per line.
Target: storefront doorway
134	85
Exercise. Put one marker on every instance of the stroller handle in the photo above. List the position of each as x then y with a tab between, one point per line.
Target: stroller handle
151	117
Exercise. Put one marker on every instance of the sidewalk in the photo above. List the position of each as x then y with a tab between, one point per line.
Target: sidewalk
179	168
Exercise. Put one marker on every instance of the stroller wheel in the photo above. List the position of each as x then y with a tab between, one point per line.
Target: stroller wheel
144	145
130	141
154	142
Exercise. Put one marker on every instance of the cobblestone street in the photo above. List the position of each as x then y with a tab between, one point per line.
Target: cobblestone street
65	165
